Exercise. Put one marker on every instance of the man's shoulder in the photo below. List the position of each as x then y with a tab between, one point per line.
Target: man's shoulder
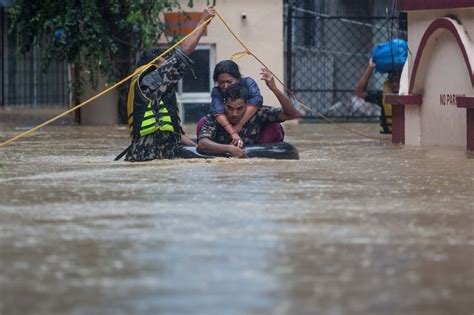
269	109
210	122
150	77
267	114
209	128
209	119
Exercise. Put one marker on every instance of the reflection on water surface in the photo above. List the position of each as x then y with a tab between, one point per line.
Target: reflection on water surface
356	226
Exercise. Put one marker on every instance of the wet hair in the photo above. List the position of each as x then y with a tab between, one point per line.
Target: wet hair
147	56
236	91
226	66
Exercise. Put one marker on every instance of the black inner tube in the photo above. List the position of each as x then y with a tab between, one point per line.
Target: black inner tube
279	151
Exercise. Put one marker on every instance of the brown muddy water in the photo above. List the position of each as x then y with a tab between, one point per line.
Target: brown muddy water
357	226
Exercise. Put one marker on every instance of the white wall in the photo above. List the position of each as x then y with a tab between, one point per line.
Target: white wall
446	74
442	70
418	21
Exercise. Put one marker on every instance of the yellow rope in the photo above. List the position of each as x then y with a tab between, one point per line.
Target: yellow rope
239	55
324	117
247	51
137	71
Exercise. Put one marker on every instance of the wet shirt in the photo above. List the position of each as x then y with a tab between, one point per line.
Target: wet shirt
250	131
376	97
171	103
160	85
161	80
255	98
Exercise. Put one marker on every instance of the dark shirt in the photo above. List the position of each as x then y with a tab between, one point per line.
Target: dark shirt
171	103
250	131
255	98
160	85
376	97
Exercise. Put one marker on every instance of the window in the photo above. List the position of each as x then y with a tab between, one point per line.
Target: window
194	90
197	80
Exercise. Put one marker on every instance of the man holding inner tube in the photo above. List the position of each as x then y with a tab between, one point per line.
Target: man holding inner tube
214	139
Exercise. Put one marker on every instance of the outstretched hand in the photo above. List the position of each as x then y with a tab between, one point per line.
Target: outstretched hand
267	76
237	152
236	140
208	12
371	64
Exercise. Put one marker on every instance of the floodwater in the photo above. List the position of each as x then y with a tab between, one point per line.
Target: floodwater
357	226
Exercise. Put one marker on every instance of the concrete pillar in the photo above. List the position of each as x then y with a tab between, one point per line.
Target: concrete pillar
102	111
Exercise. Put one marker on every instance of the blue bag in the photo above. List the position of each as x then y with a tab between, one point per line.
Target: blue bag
390	56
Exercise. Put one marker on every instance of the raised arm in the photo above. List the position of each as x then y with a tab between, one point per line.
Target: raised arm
361	85
190	44
156	83
289	111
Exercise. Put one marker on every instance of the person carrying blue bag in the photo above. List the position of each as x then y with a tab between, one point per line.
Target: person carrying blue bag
388	57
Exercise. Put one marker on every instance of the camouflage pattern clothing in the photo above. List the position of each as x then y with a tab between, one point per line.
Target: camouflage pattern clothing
250	131
158	145
156	85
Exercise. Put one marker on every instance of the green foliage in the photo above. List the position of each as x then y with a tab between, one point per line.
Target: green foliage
104	35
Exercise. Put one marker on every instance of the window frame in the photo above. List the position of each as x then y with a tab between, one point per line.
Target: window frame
199	97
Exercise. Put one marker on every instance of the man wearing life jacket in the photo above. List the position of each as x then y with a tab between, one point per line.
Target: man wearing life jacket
153	118
213	137
391	86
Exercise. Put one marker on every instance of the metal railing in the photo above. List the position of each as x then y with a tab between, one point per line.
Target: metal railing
22	81
326	55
